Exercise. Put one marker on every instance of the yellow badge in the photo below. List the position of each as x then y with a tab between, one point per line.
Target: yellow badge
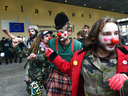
75	62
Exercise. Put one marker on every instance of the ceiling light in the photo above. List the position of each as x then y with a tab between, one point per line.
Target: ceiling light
65	0
112	9
122	11
84	4
99	7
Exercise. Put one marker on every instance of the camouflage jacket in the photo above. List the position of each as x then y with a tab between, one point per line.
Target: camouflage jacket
96	75
27	42
38	66
124	89
90	67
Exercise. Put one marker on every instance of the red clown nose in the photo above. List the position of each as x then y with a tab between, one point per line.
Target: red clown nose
114	40
49	38
30	33
59	34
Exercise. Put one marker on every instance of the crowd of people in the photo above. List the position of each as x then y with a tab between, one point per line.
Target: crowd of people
5	44
93	65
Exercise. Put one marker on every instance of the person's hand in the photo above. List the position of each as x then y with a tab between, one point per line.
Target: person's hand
32	56
42	48
15	42
48	52
116	82
5	30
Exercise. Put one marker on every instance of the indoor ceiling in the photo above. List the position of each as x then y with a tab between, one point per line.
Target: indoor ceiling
119	6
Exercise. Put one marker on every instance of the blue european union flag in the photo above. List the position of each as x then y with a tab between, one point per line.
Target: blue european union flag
16	27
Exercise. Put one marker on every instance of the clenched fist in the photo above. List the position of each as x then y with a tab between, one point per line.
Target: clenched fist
5	30
32	56
15	42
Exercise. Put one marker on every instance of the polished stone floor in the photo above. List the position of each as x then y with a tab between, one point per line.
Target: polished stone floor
12	79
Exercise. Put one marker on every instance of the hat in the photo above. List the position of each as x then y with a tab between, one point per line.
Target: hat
53	35
45	32
60	20
33	27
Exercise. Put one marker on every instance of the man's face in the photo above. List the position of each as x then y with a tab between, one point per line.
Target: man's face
46	38
32	33
64	34
86	29
109	31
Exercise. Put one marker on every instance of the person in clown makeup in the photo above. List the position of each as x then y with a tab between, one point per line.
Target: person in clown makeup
59	83
33	31
38	70
103	64
28	41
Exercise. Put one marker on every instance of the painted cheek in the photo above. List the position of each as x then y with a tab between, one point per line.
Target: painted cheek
45	40
65	34
33	33
106	39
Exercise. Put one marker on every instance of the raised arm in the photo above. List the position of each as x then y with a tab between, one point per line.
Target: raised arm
11	35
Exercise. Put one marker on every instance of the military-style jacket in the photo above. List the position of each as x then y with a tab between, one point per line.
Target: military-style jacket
124	89
37	70
95	75
40	63
27	42
24	53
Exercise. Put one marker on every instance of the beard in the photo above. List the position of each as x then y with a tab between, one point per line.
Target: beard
33	36
103	46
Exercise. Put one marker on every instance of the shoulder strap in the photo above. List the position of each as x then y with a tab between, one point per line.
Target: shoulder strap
122	54
57	45
123	49
72	45
26	63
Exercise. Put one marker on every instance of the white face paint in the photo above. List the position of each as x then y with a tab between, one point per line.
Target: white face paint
32	31
109	31
46	37
64	34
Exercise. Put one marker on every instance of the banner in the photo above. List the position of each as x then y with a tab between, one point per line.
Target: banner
16	27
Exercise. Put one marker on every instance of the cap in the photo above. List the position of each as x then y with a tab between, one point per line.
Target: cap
45	32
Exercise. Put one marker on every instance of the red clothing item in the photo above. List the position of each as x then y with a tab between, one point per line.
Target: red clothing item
122	56
74	66
73	69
